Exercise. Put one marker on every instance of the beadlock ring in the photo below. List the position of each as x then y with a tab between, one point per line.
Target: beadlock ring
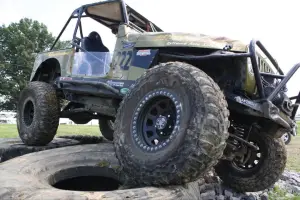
148	97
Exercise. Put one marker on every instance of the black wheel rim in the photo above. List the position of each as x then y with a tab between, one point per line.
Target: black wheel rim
156	120
251	160
28	113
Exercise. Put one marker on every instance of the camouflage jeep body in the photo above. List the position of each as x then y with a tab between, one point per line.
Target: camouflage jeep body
241	70
132	42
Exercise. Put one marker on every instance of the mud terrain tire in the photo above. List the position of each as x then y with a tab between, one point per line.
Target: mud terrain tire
31	176
38	114
271	164
106	129
197	135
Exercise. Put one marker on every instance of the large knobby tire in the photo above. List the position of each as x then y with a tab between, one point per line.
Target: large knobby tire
106	128
38	114
191	113
30	177
270	163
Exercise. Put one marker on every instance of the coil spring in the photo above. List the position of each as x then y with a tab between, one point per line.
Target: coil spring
239	131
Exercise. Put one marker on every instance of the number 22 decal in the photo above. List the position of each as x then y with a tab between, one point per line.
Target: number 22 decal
123	59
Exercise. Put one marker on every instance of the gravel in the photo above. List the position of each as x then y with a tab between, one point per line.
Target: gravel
286	188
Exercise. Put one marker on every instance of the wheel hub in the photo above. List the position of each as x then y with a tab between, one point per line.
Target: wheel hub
285	137
28	113
161	122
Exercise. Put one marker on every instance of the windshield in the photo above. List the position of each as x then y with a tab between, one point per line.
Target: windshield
91	64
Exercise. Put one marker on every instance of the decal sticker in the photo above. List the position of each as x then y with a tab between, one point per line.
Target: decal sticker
124	90
127	45
123	59
115	83
245	101
145	52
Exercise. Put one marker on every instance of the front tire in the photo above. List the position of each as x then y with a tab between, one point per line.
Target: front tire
171	127
38	114
255	176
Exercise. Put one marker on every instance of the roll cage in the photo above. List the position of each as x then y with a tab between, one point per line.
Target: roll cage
112	14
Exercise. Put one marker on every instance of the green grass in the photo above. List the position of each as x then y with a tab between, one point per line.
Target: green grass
10	130
280	194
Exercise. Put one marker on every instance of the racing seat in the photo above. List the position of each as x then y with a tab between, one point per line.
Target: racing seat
93	43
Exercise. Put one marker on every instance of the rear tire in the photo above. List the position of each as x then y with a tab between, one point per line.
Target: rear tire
38	114
264	174
190	112
106	129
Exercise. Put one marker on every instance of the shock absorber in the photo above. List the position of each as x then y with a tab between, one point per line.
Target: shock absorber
239	135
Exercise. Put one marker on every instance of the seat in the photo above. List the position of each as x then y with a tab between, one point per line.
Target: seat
93	43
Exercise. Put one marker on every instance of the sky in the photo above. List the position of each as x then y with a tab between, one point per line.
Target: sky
275	23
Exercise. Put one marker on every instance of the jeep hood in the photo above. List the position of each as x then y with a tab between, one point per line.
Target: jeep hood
187	40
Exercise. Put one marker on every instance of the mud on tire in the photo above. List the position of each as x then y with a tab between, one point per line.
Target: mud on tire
191	118
38	114
271	160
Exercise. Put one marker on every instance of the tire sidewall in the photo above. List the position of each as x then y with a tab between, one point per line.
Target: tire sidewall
26	96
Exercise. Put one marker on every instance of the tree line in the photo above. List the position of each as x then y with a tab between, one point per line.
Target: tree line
19	44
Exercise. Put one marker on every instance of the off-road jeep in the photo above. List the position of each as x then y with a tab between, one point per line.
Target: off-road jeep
175	104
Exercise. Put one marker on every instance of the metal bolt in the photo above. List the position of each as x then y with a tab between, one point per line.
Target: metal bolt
161	133
155	141
169	116
170	126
